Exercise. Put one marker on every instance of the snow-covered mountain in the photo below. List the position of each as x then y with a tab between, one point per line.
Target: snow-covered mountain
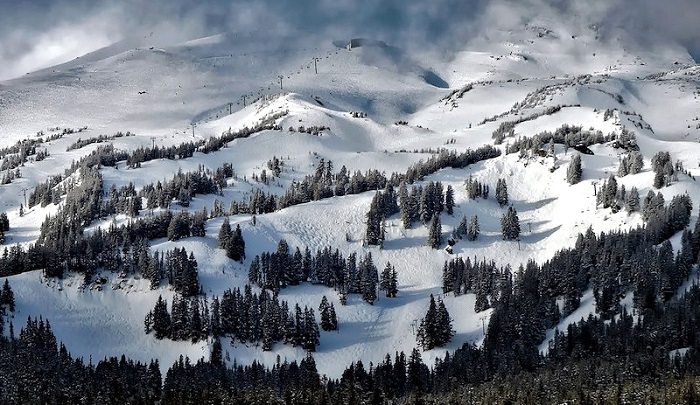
375	105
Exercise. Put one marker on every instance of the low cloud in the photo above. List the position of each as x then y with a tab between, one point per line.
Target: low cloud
39	33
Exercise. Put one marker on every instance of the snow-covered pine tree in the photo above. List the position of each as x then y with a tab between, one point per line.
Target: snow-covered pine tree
510	224
449	200
161	319
501	192
473	228
461	228
444	330
375	217
7	297
426	330
435	232
236	247
369	277
574	171
225	234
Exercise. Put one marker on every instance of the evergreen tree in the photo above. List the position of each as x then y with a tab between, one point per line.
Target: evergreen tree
435	329
225	234
449	200
198	225
310	333
236	248
510	224
7	297
501	192
632	200
405	205
368	279
161	319
375	218
393	283
444	330
574	171
435	232
328	317
461	228
388	282
473	229
426	330
179	226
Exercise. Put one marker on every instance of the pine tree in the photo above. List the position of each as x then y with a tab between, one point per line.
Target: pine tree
574	171
405	206
388	281
368	279
510	224
449	200
426	331
225	234
501	192
161	319
7	297
393	283
435	329
328	317
435	232
632	200
444	330
461	228
179	226
310	333
236	248
375	218
198	225
659	179
610	193
473	229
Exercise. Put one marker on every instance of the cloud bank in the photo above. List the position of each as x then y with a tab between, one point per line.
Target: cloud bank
40	33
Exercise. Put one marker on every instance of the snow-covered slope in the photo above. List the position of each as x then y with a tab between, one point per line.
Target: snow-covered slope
201	88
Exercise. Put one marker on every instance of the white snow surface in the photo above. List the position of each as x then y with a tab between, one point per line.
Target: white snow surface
186	91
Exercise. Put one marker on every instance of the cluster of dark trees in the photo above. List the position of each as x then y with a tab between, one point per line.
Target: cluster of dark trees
571	136
476	189
245	316
383	205
510	224
232	241
460	276
312	130
423	202
9	176
62	245
631	163
435	329
471	229
7	303
599	358
18	154
329	320
81	143
35	368
664	173
184	186
507	128
4	226
188	320
277	270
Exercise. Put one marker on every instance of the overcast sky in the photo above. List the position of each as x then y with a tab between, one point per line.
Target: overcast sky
40	33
